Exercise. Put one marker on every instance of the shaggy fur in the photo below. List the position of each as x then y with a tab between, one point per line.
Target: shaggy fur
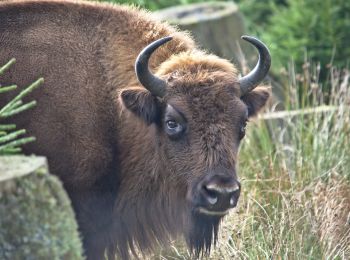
131	186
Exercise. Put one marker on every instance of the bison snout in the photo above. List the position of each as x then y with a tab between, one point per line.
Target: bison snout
218	195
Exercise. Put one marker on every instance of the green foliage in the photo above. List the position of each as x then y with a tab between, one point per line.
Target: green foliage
318	27
10	140
258	13
293	27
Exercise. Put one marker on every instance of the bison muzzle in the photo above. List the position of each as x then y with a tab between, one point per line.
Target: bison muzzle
148	152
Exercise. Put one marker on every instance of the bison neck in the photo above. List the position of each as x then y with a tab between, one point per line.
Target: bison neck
151	208
148	211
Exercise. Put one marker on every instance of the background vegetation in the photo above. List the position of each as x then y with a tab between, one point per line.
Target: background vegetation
318	28
10	138
282	162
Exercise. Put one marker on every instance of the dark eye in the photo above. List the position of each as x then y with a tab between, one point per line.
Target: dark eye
242	131
173	128
171	124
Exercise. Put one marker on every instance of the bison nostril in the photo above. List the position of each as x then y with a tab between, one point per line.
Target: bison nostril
210	196
233	201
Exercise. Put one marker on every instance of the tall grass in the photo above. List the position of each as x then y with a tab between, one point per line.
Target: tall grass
311	139
283	158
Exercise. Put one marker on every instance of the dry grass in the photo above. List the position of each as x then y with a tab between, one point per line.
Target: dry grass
331	206
310	223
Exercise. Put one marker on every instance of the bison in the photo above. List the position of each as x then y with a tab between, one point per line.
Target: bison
146	152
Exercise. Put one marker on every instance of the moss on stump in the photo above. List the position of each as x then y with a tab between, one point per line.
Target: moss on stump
36	218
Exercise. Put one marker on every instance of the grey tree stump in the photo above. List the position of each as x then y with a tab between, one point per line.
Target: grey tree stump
36	218
216	26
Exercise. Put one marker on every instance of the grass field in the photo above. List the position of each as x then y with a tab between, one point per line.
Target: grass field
284	162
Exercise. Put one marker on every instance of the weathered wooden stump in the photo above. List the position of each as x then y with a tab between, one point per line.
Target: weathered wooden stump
216	26
36	218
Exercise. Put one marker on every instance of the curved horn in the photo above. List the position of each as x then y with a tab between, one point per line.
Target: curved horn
250	81
154	84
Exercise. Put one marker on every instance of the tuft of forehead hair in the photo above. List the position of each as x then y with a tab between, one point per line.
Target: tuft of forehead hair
196	67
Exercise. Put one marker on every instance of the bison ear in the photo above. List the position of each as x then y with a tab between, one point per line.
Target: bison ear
256	99
140	102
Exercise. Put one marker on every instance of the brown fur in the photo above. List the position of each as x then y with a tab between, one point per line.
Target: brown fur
130	185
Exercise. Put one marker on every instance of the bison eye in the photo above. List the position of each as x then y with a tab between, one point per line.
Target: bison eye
171	124
173	128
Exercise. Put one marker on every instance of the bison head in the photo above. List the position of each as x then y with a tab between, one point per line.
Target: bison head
199	108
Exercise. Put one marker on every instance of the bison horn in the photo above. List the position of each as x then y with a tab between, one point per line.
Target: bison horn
250	81
154	84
